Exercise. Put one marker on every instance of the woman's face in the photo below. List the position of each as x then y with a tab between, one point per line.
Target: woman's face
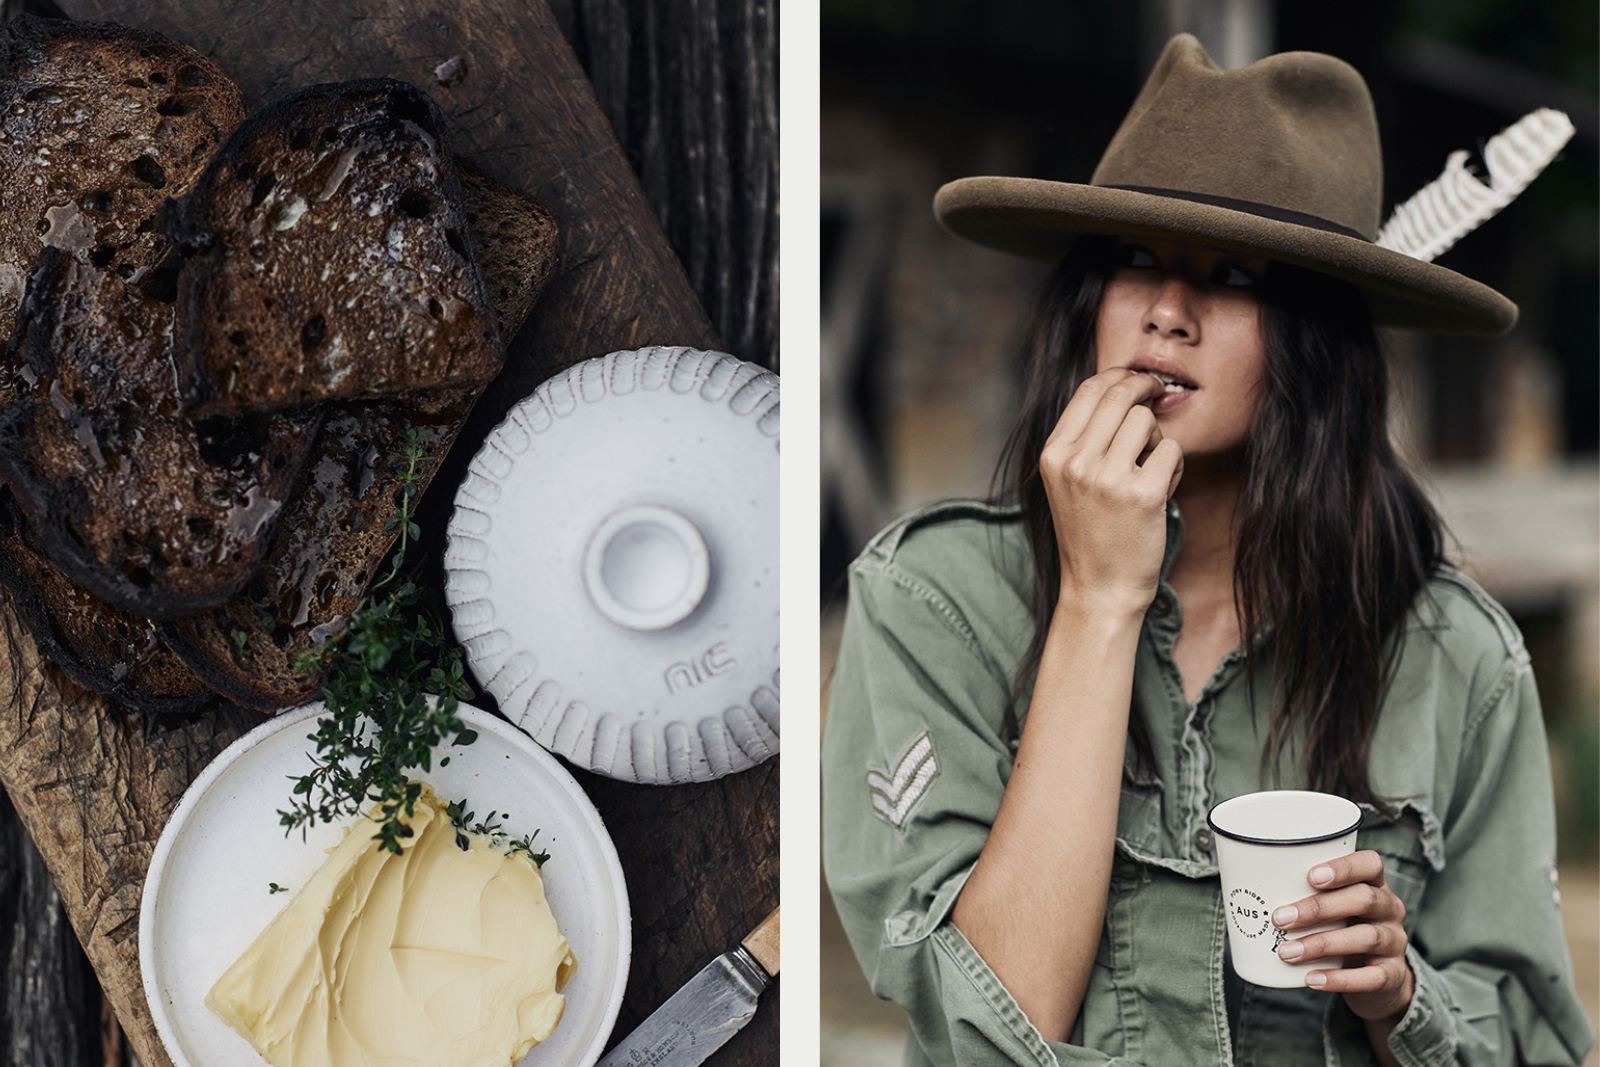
1193	316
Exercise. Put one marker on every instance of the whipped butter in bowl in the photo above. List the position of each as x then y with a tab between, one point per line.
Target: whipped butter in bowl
436	957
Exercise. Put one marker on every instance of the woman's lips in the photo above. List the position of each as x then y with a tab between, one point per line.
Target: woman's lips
1170	401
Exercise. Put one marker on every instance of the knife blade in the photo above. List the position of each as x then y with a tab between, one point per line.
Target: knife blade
708	1010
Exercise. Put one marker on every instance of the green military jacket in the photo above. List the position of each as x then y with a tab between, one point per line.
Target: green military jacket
920	740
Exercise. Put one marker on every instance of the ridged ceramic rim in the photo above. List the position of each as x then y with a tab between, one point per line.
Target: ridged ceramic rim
720	743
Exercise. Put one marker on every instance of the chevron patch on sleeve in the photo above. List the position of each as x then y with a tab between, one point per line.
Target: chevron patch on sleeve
896	792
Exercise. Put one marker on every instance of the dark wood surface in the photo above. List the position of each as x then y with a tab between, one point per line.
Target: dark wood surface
49	999
94	788
691	88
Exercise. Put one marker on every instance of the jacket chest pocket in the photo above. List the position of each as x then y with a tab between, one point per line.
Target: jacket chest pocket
1155	995
1139	810
1411	843
1140	815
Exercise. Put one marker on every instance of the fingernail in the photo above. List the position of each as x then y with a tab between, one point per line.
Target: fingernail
1286	915
1316	979
1319	875
1291	950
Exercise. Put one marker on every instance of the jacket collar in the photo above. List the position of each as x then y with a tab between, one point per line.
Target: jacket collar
1167	598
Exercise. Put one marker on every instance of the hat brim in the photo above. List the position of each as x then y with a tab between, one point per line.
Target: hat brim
1038	218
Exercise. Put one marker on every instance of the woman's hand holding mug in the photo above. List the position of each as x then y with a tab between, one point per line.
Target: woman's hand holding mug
1378	984
1108	474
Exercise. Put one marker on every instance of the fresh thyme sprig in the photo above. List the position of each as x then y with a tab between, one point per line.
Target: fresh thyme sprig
392	690
494	830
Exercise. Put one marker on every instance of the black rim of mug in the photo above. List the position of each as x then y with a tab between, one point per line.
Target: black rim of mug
1281	842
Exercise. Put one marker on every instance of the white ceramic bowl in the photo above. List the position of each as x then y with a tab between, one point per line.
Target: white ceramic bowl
206	897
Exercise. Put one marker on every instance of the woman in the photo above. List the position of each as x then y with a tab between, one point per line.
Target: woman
1210	575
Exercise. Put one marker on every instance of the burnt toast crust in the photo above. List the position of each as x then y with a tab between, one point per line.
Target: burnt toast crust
335	533
110	652
331	258
518	247
152	513
99	124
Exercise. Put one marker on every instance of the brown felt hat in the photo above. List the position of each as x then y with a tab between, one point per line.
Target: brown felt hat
1279	159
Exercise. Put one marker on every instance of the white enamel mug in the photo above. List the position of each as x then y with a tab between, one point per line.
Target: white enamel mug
1266	845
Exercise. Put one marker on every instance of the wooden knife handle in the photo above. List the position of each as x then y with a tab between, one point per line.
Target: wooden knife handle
763	943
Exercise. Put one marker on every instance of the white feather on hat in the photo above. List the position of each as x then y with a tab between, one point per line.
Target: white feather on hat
1458	201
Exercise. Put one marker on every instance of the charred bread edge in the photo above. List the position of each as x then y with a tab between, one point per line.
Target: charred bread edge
36	619
54	539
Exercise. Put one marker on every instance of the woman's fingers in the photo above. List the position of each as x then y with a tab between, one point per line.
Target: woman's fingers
1362	900
1361	872
1080	407
1134	440
1382	976
1107	513
1363	866
1112	410
1362	939
1163	467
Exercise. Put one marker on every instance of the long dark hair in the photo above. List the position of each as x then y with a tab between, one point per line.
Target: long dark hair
1335	539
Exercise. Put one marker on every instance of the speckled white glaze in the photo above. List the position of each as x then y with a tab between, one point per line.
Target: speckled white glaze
685	688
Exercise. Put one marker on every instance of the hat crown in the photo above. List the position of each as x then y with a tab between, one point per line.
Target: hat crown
1295	132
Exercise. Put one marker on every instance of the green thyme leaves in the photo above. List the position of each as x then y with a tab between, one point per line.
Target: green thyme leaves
467	822
393	686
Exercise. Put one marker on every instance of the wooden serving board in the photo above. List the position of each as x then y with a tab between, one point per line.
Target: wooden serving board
94	787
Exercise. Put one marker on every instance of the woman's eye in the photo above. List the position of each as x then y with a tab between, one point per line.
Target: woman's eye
1234	276
1137	256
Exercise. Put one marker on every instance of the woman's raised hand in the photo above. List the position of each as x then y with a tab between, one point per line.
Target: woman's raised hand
1108	474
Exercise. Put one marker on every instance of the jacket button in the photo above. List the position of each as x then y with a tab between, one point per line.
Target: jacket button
1202	839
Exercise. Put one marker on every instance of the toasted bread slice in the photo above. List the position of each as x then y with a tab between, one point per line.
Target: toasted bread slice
151	513
98	125
518	247
332	259
335	531
102	649
335	534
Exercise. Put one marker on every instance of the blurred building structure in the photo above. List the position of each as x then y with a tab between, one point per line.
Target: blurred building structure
921	331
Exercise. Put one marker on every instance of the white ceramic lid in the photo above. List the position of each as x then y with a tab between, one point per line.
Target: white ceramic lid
612	565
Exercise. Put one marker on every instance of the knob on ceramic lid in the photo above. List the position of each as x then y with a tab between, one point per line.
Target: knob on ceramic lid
646	567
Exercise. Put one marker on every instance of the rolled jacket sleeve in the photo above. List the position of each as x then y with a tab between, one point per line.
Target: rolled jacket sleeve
1493	975
915	761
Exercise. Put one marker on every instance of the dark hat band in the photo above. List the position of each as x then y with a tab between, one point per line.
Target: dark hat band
1250	207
